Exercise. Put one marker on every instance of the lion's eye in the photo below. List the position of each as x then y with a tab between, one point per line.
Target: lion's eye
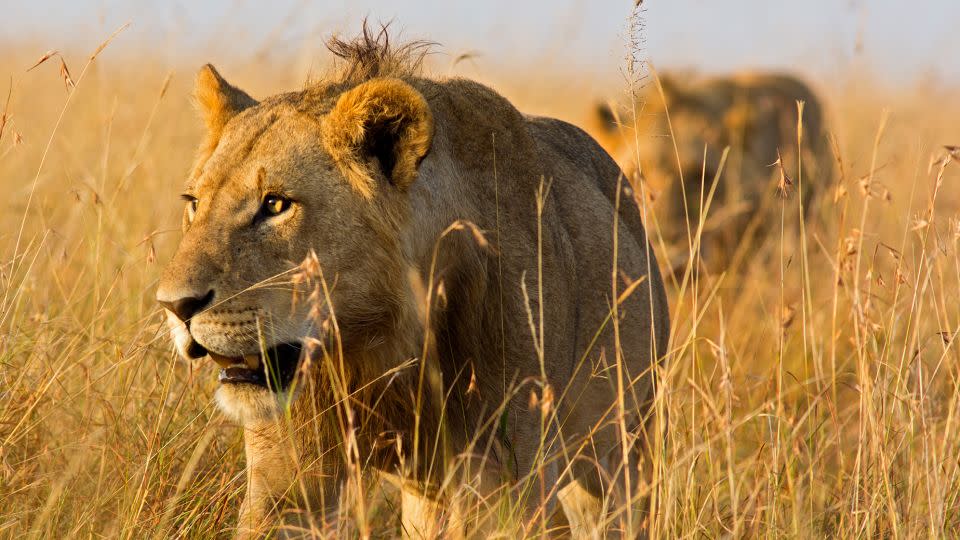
192	205
274	205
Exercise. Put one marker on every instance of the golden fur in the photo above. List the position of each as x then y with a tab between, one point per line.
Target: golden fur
419	199
755	115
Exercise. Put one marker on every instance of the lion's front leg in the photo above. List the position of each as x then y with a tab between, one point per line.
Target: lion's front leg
419	514
272	474
583	510
253	513
289	489
267	473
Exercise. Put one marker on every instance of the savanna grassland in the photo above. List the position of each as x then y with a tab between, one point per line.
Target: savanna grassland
814	394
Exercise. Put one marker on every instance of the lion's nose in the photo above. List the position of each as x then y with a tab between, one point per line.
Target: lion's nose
188	306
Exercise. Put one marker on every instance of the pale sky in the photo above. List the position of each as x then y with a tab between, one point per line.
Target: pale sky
897	40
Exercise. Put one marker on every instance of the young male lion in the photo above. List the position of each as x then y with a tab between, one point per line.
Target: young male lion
388	268
753	116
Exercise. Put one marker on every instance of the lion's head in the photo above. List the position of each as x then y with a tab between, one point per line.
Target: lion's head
316	171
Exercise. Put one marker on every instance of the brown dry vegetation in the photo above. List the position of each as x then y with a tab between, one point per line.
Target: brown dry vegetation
817	395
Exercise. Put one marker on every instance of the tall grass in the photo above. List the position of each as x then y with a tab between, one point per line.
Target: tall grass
813	394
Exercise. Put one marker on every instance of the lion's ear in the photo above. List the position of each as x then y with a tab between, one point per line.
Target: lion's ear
219	101
381	124
607	117
672	91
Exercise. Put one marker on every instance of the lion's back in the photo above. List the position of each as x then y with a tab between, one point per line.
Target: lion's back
585	181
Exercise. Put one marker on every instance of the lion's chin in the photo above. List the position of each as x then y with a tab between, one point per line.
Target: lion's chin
251	404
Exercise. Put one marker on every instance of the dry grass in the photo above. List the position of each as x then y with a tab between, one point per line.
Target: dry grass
816	396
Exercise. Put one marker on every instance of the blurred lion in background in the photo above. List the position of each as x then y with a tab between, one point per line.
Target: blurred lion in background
755	116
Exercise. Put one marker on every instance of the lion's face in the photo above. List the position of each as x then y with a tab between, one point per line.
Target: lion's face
275	186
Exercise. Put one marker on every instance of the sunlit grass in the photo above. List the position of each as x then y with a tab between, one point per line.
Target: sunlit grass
814	394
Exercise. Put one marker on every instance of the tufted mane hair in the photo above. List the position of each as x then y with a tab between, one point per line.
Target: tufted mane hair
371	55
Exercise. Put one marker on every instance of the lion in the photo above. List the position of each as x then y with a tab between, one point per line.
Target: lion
754	115
388	268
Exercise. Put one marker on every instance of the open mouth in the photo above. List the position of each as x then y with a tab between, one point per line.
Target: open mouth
274	371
